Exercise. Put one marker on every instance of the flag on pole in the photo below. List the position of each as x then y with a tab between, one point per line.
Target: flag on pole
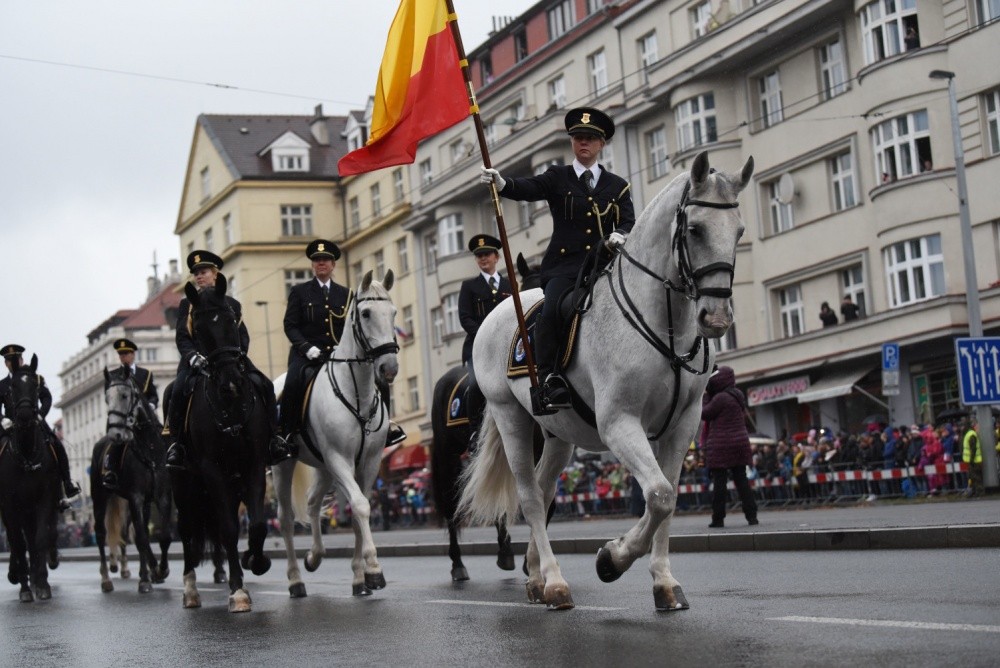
420	91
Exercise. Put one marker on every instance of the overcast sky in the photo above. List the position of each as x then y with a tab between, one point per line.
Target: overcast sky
95	146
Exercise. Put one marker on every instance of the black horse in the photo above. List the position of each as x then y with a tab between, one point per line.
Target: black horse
135	433
30	488
228	433
452	427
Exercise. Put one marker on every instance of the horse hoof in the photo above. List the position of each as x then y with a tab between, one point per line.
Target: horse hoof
245	560
297	590
669	600
145	587
558	598
459	574
11	578
107	586
374	580
53	560
43	592
239	601
26	596
536	592
192	601
606	569
113	568
219	577
309	565
506	561
158	576
260	565
360	590
126	574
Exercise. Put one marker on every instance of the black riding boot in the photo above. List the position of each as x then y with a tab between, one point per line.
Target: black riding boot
396	433
553	392
111	464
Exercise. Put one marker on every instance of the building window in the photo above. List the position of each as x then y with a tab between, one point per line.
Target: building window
451	322
457	150
889	28
295	276
296	220
701	16
356	270
598	69
695	120
450	235
403	256
290	163
914	270
647	53
210	240
379	265
769	89
398	189
902	146
593	6
842	176
993	119
656	149
206	185
426	173
437	327
376	194
987	10
354	213
408	325
852	280
781	212
557	92
413	390
832	69
227	230
560	19
727	342
486	69
520	45
792	311
430	252
490	132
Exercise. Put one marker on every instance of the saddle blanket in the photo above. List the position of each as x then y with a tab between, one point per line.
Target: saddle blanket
458	411
517	364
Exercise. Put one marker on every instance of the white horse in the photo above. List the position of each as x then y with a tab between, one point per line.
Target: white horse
347	425
642	361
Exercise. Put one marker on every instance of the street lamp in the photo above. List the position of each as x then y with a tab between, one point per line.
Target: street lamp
267	335
984	415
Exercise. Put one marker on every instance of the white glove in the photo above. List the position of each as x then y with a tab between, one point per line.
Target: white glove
615	240
198	361
313	353
6	423
492	176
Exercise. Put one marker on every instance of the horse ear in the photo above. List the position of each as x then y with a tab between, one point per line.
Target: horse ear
191	292
366	282
746	173
220	285
34	363
107	378
388	280
699	170
522	265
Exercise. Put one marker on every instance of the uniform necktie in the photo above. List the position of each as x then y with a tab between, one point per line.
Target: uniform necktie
493	283
326	291
588	180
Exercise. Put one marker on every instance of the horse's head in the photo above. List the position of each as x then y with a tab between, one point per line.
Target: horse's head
24	384
531	277
216	328
123	400
707	227
373	325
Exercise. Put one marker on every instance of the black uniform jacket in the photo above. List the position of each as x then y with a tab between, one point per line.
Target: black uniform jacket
143	380
184	335
312	320
44	397
580	220
475	301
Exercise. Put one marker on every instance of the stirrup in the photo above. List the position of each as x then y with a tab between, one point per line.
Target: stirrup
110	480
396	434
556	392
176	456
539	403
279	449
71	489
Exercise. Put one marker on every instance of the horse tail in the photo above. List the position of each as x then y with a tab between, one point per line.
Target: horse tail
489	491
300	491
114	519
446	461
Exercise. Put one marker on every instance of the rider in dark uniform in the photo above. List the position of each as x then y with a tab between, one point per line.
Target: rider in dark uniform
481	294
143	379
205	267
314	322
589	205
11	355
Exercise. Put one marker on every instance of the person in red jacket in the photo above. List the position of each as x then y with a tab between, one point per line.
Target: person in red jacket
726	444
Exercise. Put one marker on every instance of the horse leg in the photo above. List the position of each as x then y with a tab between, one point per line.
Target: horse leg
229	531
139	516
100	536
667	593
458	571
282	475
367	571
253	493
505	553
18	568
163	531
320	486
219	561
39	539
556	455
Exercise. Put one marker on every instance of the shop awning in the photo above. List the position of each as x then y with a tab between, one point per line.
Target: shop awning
833	384
408	457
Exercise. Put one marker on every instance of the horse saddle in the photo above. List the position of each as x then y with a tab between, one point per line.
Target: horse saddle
568	325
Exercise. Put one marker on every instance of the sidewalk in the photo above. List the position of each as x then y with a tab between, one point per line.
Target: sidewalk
940	523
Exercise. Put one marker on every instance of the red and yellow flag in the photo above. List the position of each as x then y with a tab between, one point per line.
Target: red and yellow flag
420	92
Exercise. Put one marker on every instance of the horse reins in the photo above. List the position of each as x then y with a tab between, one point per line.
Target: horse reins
129	420
225	421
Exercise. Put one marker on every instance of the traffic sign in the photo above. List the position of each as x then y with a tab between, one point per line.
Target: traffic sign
978	362
890	357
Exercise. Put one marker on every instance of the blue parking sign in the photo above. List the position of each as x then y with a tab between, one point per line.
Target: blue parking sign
978	362
890	357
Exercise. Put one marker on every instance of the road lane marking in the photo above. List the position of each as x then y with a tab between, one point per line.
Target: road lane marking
508	604
930	626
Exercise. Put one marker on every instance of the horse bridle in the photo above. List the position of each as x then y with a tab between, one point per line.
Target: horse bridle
225	421
30	425
128	420
687	286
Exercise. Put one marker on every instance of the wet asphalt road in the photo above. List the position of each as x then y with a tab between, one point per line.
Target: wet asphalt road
905	608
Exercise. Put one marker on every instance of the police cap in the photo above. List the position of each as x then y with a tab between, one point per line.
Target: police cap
586	120
123	346
484	243
321	248
202	258
11	350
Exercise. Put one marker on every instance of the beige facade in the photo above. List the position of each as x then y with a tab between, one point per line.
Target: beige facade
854	190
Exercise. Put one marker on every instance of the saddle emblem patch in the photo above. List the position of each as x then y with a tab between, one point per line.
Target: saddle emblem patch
519	351
456	407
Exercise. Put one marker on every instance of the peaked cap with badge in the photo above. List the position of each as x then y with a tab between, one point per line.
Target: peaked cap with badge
484	243
585	120
124	346
143	377
11	350
321	248
197	259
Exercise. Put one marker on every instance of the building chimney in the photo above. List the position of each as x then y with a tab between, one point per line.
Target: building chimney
152	287
174	276
318	127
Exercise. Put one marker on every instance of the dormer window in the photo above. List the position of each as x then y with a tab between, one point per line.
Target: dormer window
289	153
